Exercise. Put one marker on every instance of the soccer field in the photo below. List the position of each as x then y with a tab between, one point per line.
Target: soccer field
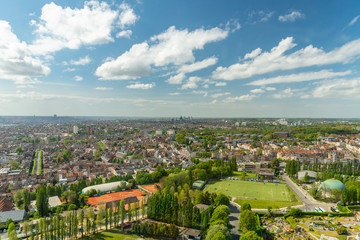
251	190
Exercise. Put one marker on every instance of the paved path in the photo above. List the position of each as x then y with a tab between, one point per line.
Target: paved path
37	163
309	203
234	220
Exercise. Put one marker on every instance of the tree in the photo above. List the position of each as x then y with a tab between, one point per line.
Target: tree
12	235
250	235
306	177
222	199
100	217
219	236
245	206
341	230
220	215
26	228
42	201
19	150
213	230
336	193
14	164
247	221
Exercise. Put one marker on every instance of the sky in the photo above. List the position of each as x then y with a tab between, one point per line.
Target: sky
168	58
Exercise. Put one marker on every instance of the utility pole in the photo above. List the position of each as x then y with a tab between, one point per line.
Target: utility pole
183	237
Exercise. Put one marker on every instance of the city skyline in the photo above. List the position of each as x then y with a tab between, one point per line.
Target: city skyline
170	58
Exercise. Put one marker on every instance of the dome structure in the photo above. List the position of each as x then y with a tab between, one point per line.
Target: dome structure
331	184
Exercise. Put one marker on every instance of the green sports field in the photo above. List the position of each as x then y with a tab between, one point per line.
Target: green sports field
258	193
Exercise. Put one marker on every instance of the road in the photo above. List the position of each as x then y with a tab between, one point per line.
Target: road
309	203
37	163
234	220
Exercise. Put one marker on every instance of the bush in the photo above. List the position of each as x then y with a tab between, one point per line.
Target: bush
341	230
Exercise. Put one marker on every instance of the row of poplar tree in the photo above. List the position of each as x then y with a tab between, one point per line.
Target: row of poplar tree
83	222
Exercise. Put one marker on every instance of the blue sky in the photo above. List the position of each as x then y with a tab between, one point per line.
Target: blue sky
171	58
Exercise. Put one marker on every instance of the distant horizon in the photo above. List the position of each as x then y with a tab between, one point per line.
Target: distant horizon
177	117
161	58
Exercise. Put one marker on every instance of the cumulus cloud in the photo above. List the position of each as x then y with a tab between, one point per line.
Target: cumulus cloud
253	54
220	84
78	78
217	95
270	89
189	68
124	33
142	86
246	97
59	27
103	88
287	93
338	88
277	59
291	17
170	47
191	83
299	77
177	79
198	65
81	61
204	93
16	61
257	90
127	16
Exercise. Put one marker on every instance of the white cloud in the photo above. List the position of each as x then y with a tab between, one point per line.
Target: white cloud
188	68
270	89
233	25
69	69
338	88
170	47
259	16
257	90
213	101
299	77
276	59
177	79
354	20
198	65
205	93
287	93
127	16
191	83
291	17
103	88
82	61
253	54
246	97
16	61
60	27
124	33
174	94
217	95
78	78
220	84
141	86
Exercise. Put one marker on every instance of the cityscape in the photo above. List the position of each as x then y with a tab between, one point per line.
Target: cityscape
174	120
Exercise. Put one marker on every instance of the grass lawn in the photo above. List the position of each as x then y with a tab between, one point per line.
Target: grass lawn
258	194
113	234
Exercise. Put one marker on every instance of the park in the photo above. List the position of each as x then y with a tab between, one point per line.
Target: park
258	194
